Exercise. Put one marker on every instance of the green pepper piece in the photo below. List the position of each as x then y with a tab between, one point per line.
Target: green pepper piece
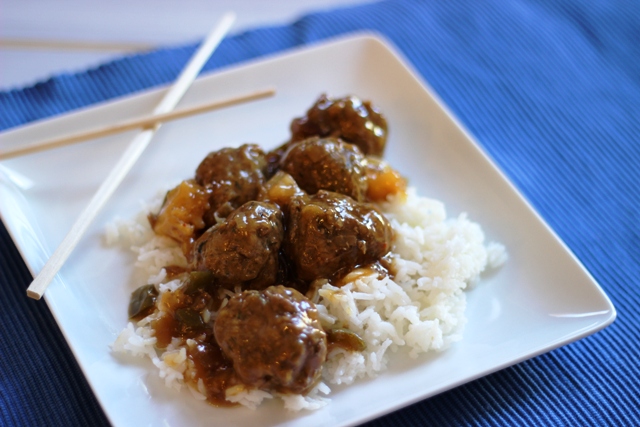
189	318
142	302
198	280
346	339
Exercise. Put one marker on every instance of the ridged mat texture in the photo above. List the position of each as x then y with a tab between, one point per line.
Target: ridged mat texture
551	90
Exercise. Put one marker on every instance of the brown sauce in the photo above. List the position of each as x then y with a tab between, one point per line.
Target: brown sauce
344	339
208	362
214	368
379	268
165	329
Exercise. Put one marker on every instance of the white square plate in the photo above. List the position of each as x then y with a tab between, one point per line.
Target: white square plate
541	299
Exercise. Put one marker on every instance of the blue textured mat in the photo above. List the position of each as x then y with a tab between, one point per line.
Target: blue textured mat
550	89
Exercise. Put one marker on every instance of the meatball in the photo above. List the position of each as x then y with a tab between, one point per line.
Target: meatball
327	164
274	339
233	176
349	119
243	250
329	234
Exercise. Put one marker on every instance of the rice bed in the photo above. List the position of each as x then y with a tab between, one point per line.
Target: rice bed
420	309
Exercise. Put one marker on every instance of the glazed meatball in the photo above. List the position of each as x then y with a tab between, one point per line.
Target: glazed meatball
233	176
349	119
327	164
243	250
329	234
274	339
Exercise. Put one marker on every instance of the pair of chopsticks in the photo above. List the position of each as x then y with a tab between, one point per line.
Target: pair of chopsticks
133	151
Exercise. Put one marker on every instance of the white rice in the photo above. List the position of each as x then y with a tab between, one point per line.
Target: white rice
420	309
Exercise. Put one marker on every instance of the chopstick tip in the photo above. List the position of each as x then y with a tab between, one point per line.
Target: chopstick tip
33	295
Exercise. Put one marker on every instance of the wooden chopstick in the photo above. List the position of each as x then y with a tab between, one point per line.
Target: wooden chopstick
141	123
128	159
41	44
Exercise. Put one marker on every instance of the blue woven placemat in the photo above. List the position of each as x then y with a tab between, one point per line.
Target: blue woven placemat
552	92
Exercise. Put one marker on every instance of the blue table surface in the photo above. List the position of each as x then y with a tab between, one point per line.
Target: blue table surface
551	90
